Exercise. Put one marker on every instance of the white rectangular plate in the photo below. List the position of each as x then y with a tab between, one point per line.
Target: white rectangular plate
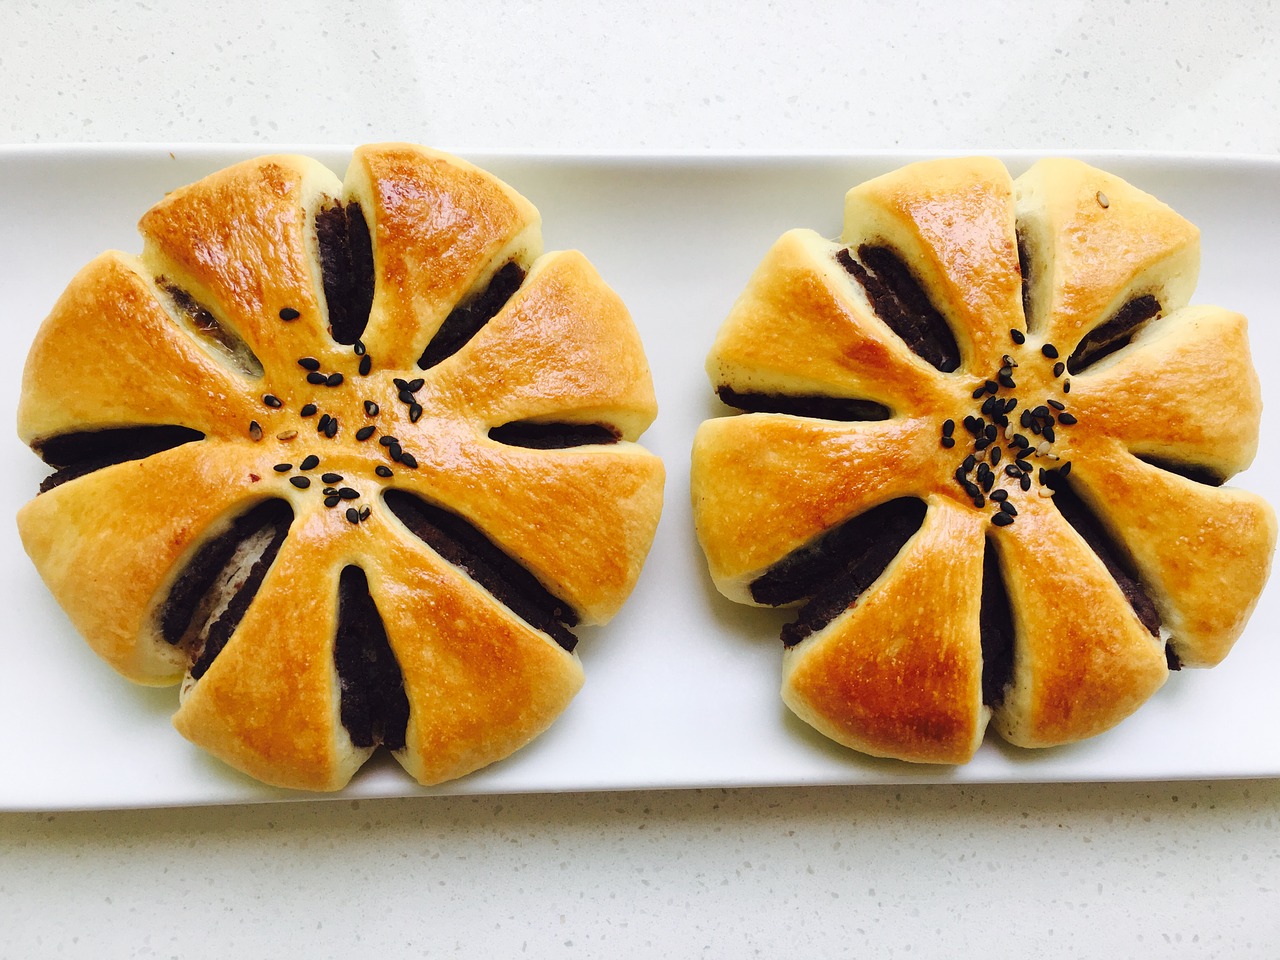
682	686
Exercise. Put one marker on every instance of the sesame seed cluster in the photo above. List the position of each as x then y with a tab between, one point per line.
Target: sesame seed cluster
995	438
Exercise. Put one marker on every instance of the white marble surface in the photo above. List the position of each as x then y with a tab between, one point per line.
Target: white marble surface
1118	870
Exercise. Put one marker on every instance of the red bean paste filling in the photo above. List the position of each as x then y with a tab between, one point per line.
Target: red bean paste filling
346	266
899	299
463	545
1024	269
836	568
373	704
1188	471
995	627
807	405
467	318
1086	523
1115	333
552	436
210	597
206	325
82	452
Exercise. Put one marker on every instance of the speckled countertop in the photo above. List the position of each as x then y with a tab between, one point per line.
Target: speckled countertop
1188	869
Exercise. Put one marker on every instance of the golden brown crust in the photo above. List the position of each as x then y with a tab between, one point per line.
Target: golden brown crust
111	544
894	675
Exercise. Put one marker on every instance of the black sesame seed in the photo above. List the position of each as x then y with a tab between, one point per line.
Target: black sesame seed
331	431
386	441
1010	404
979	501
1004	371
1064	469
271	400
1023	465
1066	386
255	430
333	380
364	513
395	450
1067	419
991	386
370	408
330	502
415	412
308	410
1018	336
282	467
330	491
1058	368
331	477
968	463
346	493
1042	412
1025	483
366	364
984	471
353	515
1008	507
300	482
948	427
995	456
960	476
1026	419
310	463
989	404
1001	519
358	347
1020	441
405	396
948	442
382	470
416	385
1049	434
409	460
288	313
309	363
981	444
1013	470
1007	381
979	392
1056	404
1050	351
316	378
323	425
999	495
990	432
400	382
364	433
971	488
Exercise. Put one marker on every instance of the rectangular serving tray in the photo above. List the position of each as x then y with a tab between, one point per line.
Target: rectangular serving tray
682	687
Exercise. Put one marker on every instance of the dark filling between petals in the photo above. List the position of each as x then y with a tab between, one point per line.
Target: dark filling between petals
214	590
837	568
463	545
346	266
1090	528
552	436
82	452
373	703
900	300
1188	471
468	318
816	406
1116	333
201	321
995	622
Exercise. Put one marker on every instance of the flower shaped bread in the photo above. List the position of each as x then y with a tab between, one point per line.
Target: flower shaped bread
350	457
984	446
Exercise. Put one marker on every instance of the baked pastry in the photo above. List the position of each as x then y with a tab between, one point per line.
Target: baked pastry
349	460
984	445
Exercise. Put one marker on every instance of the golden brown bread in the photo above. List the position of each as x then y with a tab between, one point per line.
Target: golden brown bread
235	325
983	446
